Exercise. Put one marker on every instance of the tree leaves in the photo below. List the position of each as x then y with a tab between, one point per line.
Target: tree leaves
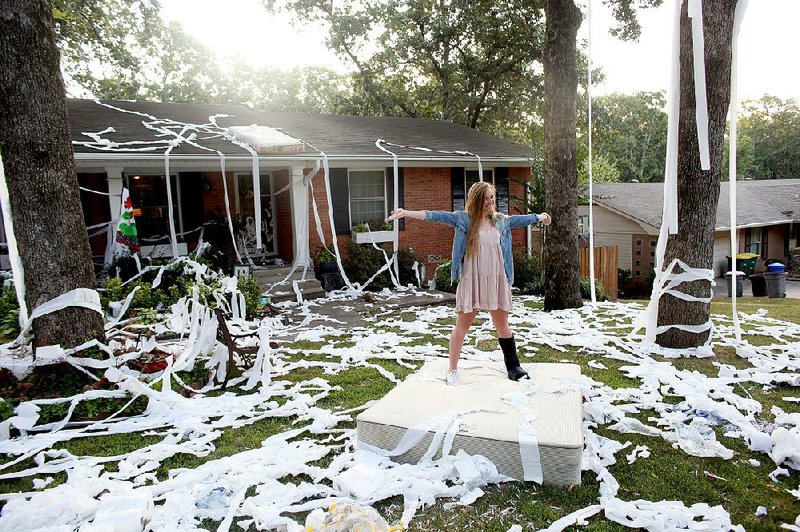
769	139
475	63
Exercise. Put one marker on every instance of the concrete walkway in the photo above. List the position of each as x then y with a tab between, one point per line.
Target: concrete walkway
346	314
721	290
351	313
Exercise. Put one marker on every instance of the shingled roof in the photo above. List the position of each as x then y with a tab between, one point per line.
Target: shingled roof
338	136
765	202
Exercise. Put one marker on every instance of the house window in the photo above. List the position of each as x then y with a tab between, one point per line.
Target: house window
367	195
471	177
150	207
583	224
753	239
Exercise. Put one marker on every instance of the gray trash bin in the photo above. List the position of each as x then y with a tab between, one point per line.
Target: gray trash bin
729	283
776	284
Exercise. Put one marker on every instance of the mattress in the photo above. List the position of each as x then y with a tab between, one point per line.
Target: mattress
528	432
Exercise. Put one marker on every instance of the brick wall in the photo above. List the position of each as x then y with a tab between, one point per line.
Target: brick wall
643	256
283	215
777	235
428	189
214	199
516	188
321	197
425	189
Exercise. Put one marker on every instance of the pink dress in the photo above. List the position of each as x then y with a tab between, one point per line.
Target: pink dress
483	283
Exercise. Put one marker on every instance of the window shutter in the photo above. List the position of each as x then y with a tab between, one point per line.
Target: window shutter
501	184
401	192
340	199
457	187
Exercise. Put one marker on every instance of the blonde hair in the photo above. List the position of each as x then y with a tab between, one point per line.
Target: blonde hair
475	205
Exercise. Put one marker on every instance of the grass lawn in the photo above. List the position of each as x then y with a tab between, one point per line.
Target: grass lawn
668	473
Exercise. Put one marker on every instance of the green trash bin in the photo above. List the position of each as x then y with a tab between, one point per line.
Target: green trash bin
745	262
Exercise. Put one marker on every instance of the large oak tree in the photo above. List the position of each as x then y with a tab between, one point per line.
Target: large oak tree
40	173
698	189
562	276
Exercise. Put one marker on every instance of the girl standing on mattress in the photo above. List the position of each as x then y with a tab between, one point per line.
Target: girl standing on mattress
482	263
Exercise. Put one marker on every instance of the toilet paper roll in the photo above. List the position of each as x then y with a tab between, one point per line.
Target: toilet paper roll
792	379
759	441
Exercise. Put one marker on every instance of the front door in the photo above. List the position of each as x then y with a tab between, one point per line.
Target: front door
245	207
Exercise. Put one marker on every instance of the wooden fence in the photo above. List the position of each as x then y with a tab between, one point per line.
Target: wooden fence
605	267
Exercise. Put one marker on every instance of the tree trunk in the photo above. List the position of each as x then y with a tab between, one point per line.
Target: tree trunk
562	283
698	190
40	173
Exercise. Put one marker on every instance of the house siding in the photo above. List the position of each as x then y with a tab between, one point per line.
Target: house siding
776	243
722	247
424	189
214	199
612	229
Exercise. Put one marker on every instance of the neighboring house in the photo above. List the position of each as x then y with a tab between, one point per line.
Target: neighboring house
628	215
122	144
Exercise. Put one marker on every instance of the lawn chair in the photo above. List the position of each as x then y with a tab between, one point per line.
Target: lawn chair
225	336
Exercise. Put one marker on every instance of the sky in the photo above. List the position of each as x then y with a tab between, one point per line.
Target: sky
765	43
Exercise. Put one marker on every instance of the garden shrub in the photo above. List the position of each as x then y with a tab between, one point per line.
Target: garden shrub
220	253
442	278
528	273
174	285
9	312
375	224
251	292
534	287
629	288
364	260
624	287
586	290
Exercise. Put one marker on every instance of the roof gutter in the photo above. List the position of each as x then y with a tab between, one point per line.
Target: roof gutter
760	224
117	157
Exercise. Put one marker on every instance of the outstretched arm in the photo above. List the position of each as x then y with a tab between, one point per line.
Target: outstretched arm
440	217
398	214
521	220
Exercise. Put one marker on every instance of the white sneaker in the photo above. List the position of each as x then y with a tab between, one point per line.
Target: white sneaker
452	378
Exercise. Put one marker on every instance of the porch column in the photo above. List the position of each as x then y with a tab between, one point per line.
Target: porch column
115	184
114	177
299	197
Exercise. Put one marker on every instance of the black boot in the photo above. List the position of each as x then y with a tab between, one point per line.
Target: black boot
509	347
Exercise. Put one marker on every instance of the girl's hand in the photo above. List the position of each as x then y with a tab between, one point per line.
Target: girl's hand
397	214
545	219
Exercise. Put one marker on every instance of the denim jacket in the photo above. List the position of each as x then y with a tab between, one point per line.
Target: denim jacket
460	220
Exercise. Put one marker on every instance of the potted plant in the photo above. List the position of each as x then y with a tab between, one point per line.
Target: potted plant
327	261
373	231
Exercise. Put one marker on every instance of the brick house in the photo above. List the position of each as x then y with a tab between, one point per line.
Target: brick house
122	144
628	215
